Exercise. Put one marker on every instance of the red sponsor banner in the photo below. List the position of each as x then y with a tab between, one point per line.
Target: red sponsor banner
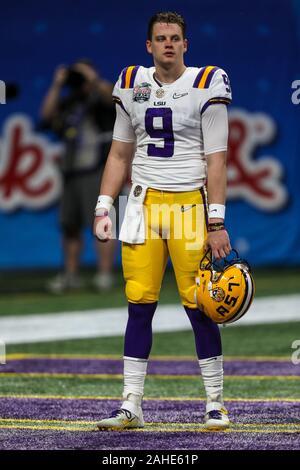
29	176
255	180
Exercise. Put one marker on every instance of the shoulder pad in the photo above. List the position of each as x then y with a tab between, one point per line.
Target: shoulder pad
204	77
128	76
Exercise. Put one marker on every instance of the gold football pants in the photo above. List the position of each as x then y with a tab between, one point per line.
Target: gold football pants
176	226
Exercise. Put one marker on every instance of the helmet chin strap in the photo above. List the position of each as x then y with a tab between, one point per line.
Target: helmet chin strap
207	262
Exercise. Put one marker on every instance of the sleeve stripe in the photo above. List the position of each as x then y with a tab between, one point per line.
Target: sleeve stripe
123	78
198	78
118	101
128	76
204	77
217	100
133	75
210	76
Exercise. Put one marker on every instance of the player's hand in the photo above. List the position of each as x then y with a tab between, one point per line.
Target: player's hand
103	227
60	75
219	243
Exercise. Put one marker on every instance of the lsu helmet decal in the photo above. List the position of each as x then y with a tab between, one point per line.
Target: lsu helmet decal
224	293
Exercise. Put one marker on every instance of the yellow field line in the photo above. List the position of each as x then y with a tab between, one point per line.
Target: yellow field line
88	426
118	398
48	375
39	375
152	423
60	421
40	428
196	430
20	356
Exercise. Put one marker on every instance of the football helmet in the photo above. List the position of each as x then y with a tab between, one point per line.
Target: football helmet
224	292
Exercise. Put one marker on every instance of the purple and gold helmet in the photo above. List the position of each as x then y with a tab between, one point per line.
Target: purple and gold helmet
225	294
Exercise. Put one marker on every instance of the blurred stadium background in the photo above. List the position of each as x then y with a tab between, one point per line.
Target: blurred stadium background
258	44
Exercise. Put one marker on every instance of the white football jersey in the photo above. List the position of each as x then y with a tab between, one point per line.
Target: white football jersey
165	119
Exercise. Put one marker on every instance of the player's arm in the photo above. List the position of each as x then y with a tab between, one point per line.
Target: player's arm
215	135
216	182
113	179
116	168
217	239
115	173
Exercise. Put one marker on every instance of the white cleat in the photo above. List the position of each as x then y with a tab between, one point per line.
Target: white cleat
216	417
121	419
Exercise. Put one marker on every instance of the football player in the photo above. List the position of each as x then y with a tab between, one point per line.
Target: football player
174	119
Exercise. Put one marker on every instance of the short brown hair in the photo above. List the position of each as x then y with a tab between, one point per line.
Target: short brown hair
166	17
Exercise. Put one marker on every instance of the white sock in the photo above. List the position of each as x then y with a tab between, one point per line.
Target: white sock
212	373
134	378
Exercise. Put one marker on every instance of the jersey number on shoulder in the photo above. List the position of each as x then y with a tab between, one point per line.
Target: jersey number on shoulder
158	124
227	83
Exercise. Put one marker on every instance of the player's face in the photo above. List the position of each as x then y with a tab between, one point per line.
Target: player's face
167	44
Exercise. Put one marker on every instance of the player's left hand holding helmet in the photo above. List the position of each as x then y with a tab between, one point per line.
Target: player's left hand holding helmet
224	293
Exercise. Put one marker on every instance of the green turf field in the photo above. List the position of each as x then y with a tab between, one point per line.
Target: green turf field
253	340
265	341
55	401
25	293
190	387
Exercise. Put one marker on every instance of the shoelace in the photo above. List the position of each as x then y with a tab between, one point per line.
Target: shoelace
117	413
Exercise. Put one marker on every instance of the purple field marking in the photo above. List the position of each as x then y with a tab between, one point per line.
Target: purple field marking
20	439
245	412
110	366
155	411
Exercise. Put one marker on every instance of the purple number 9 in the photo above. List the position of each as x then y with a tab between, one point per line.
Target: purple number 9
165	132
227	82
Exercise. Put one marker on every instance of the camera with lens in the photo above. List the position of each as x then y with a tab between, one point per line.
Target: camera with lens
74	79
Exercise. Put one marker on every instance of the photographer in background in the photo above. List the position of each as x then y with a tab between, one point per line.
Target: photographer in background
78	107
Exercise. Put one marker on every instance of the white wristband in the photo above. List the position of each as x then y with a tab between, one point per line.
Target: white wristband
104	202
216	211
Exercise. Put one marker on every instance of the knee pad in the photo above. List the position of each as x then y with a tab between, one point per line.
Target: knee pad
136	292
188	297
